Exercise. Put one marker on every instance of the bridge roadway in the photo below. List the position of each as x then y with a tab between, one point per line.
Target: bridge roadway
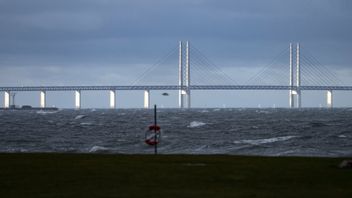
173	87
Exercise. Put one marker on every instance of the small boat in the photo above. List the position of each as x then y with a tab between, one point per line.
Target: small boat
165	94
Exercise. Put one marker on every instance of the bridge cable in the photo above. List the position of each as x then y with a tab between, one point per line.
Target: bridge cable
266	70
322	68
215	77
154	66
207	62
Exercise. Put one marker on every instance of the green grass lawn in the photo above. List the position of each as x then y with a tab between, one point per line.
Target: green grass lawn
98	175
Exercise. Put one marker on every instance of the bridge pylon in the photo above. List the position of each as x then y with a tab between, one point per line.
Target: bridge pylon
184	75
295	88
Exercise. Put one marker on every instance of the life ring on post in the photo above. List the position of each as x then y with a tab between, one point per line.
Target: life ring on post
152	135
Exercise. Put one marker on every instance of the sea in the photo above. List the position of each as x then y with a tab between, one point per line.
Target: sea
229	131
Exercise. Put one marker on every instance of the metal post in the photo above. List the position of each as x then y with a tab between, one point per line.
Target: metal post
298	77
188	75
180	76
155	130
291	96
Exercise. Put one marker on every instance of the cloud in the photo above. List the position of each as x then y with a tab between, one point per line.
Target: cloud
96	34
109	42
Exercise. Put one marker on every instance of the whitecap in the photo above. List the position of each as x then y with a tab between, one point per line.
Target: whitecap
86	123
264	141
341	136
202	148
16	150
80	117
95	149
46	112
263	112
195	124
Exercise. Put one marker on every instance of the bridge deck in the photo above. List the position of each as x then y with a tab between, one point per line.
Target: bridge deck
173	87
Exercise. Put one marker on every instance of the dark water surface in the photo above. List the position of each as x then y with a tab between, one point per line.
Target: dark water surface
274	132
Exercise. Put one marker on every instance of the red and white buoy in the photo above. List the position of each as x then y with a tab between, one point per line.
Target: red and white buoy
153	134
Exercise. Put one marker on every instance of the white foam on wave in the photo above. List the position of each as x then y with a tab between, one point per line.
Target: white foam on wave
264	141
16	150
95	149
86	123
41	112
195	124
80	117
342	136
263	112
201	148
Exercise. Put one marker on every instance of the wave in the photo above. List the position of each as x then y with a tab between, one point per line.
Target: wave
41	112
98	149
263	112
264	141
86	123
195	124
80	117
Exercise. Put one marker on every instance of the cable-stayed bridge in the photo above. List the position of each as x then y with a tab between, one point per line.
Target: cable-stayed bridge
301	72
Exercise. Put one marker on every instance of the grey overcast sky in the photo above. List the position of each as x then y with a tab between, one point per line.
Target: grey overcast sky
110	42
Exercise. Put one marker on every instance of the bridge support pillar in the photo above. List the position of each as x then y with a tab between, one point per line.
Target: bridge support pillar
78	99
146	99
7	99
112	99
299	99
180	99
185	98
42	99
329	99
291	99
188	99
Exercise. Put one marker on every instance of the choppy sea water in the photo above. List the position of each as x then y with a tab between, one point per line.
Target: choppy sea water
269	132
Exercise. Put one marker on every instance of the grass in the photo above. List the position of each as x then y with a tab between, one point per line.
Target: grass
98	175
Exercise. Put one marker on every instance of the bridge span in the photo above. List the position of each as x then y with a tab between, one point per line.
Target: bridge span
184	87
112	90
175	87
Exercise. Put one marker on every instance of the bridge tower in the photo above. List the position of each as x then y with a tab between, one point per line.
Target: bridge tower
291	91
184	75
295	88
298	77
